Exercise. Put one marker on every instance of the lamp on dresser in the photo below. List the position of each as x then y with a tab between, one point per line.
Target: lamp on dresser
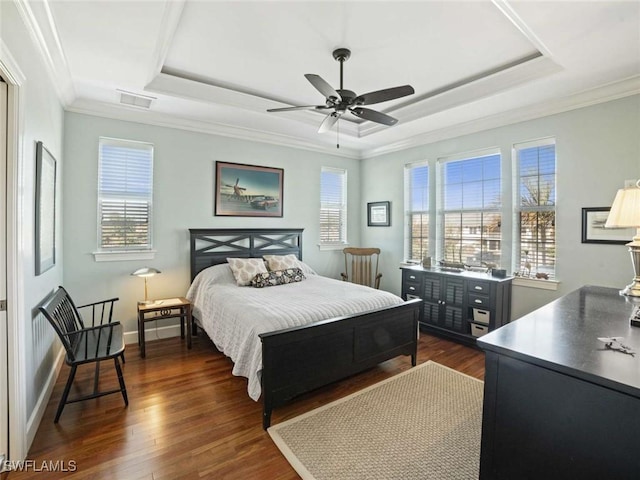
625	212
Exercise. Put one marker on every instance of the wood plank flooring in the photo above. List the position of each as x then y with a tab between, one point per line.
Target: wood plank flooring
189	418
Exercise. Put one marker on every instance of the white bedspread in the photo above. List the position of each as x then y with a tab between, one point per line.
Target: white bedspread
233	316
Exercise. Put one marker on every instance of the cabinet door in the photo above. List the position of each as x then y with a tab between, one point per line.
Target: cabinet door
432	288
452	306
431	312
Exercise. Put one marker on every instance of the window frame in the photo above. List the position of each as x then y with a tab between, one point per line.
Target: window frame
132	252
341	205
517	207
424	211
442	211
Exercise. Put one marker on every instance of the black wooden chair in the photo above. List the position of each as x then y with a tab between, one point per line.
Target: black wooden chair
84	344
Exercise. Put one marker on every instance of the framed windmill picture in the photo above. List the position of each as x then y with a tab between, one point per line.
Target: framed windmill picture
248	190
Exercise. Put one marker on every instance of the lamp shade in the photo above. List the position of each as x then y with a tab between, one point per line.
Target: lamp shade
145	272
625	211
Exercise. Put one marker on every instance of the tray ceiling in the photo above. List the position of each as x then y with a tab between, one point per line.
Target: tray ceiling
216	66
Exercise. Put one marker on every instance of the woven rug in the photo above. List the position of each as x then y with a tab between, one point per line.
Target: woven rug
424	423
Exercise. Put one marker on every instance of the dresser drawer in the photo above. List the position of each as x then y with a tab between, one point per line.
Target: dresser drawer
411	289
479	301
479	287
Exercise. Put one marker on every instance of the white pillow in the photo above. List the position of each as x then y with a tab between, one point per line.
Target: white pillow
282	262
244	269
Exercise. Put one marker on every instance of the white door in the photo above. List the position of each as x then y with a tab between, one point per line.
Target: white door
4	385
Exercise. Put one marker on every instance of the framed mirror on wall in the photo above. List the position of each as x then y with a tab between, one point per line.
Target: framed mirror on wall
45	227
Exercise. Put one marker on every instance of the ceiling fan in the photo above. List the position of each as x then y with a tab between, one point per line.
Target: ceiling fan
342	100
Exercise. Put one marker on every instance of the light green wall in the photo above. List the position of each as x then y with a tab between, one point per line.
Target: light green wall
598	147
183	177
42	116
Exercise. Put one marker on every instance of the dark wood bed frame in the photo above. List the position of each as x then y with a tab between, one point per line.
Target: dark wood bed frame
300	359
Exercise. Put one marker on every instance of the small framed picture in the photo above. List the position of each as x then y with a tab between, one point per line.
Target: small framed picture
594	231
379	214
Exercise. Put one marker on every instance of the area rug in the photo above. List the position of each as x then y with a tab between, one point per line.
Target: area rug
424	423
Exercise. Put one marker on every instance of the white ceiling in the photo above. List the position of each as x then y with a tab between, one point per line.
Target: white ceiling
217	66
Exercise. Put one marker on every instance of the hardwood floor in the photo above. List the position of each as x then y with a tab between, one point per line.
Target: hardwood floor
188	417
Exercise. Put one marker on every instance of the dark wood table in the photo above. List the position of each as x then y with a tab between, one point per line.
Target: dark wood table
558	404
161	309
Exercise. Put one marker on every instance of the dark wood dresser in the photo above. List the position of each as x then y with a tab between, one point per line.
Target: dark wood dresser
557	403
459	305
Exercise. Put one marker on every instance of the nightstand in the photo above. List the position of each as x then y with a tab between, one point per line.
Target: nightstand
159	310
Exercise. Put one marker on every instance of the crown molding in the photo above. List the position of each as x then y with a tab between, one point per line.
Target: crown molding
605	93
105	110
39	22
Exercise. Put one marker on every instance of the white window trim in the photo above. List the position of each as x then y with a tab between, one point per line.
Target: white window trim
407	211
116	255
544	284
125	255
440	210
344	243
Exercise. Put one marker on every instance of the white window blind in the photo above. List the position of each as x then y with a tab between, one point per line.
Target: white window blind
471	215
125	191
333	206
536	207
416	187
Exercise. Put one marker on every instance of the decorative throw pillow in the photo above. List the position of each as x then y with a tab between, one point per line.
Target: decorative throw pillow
277	277
244	269
282	262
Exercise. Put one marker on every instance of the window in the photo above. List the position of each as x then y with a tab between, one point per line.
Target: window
471	207
536	207
416	187
333	206
125	187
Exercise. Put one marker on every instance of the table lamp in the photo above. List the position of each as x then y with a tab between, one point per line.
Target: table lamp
624	213
145	273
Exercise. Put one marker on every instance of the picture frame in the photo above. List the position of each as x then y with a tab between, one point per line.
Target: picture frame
594	231
45	215
248	190
379	214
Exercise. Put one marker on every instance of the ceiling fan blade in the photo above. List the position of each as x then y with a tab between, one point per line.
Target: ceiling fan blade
301	107
374	116
328	122
384	95
323	87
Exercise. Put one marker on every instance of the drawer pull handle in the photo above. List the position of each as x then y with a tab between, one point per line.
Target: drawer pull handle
412	288
412	277
478	301
478	287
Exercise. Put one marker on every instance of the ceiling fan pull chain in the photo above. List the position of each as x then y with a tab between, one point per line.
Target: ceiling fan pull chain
338	135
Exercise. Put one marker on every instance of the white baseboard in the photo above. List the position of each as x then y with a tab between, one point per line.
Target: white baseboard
155	333
38	412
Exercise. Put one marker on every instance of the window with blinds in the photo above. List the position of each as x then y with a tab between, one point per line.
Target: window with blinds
125	190
471	208
536	207
333	206
416	202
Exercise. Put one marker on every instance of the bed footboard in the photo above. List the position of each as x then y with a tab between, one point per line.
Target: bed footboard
297	360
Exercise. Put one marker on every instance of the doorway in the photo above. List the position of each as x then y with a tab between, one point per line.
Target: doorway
4	346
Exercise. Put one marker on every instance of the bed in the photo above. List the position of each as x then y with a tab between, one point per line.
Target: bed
290	339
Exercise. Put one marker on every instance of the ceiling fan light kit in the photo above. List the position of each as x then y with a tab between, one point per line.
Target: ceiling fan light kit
343	100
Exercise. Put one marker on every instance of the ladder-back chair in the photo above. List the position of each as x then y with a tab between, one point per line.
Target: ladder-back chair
102	340
361	266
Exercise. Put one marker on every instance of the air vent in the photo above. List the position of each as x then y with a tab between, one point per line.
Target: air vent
135	100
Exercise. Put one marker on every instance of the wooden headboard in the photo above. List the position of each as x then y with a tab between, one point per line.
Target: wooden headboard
212	246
